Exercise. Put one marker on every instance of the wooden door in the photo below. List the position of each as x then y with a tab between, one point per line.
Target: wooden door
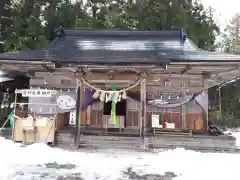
84	117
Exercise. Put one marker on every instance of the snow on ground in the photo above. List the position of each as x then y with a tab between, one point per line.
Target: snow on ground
21	163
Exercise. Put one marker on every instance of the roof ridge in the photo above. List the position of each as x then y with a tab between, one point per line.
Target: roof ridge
173	34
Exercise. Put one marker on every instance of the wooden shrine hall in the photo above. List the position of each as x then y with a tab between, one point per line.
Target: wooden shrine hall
124	82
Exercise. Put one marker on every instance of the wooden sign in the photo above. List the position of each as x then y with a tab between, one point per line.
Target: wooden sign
36	92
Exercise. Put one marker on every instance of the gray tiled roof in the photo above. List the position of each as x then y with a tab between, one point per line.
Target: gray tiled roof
120	46
24	55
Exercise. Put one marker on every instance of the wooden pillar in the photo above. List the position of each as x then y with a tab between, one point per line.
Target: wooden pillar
183	109
204	81
143	111
78	113
206	113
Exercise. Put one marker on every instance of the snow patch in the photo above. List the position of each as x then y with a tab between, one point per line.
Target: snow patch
110	165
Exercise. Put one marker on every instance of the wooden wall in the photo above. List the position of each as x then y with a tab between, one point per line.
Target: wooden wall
62	120
195	118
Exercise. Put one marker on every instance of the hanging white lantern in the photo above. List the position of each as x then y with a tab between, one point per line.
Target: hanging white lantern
102	96
96	94
2	106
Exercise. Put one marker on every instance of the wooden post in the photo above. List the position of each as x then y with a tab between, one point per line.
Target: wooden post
183	112
14	112
220	102
183	109
206	114
143	111
78	113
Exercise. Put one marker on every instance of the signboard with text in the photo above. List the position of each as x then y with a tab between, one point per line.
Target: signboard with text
36	92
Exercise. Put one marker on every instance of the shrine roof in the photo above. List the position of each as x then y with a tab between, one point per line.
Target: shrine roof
119	46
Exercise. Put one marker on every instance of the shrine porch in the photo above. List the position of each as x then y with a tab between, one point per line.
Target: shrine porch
131	140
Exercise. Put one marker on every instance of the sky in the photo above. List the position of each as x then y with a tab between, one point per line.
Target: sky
224	10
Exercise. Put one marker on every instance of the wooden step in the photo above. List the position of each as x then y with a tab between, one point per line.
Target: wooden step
172	131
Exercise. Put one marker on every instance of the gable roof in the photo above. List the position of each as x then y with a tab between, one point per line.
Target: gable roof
113	46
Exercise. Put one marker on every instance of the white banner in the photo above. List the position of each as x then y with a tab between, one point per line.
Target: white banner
170	104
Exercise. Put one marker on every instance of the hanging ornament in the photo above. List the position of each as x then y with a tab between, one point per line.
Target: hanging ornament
96	94
124	95
108	97
116	97
119	97
102	96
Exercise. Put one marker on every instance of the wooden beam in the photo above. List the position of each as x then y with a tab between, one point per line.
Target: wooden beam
113	67
56	73
174	89
176	76
205	63
49	69
104	76
214	68
123	75
111	81
133	76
